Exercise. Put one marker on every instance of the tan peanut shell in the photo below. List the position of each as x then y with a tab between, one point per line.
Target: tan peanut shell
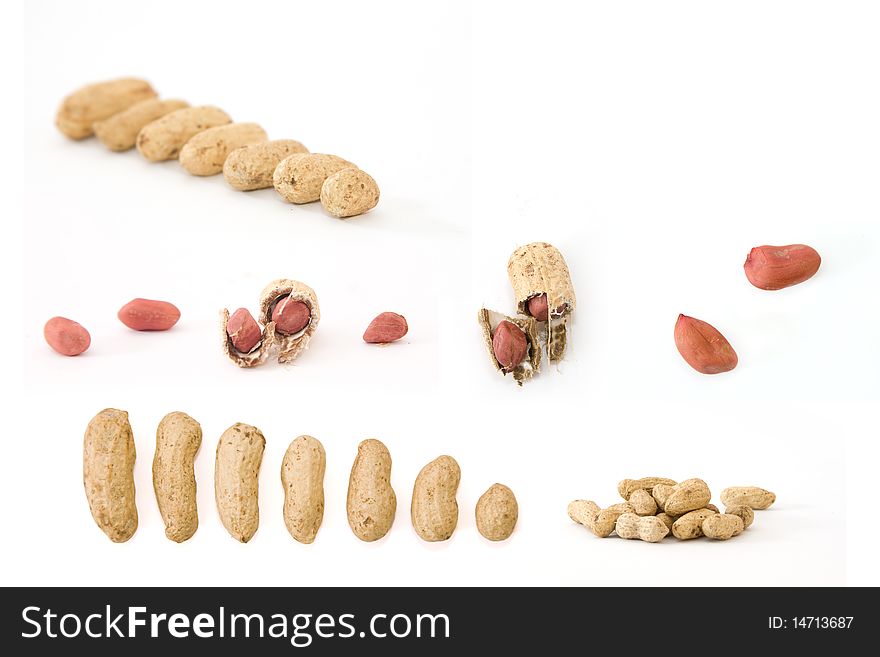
258	355
744	512
236	480
690	525
687	496
434	509
371	502
645	528
290	346
660	492
628	486
643	503
599	521
119	132
489	321
722	526
539	268
752	496
251	167
302	477
496	513
206	152
667	520
163	138
349	192
95	102
108	474
298	178
178	439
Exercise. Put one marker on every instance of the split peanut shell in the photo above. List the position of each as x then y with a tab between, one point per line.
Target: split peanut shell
536	269
489	321
289	346
258	355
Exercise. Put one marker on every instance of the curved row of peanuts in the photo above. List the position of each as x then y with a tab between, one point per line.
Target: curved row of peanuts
127	113
108	477
654	507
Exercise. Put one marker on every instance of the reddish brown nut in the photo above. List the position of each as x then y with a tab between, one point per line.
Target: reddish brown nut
66	336
290	316
537	306
387	327
703	347
509	344
149	315
776	267
243	331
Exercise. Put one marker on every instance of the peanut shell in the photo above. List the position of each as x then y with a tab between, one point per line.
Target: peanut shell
371	502
119	132
251	167
434	509
302	476
95	102
255	357
289	346
298	178
178	439
349	192
496	513
163	138
206	152
236	480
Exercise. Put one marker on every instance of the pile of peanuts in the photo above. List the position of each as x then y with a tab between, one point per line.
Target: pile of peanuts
108	477
545	300
654	507
127	113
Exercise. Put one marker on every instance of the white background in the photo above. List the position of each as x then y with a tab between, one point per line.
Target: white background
653	144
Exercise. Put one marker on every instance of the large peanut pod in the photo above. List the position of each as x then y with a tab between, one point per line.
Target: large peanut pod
251	167
108	474
536	269
689	495
96	102
371	502
751	496
205	153
302	477
178	439
290	346
298	178
650	529
531	364
496	513
163	138
120	131
236	480
434	509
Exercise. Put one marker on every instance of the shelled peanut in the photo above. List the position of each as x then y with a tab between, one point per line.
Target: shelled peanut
656	507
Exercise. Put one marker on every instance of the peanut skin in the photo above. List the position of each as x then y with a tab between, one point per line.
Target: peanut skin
777	267
243	331
108	474
496	513
66	337
302	476
386	327
434	509
149	315
510	345
371	503
178	439
703	347
236	480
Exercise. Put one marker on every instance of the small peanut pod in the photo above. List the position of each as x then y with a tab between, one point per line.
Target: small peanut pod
744	512
178	439
667	520
371	502
660	493
722	526
497	512
251	167
703	347
542	287
236	480
244	343
599	521
628	486
776	267
163	138
687	496
434	509
512	344
349	192
206	152
149	315
645	528
120	131
95	102
690	525
67	337
752	496
298	178
293	309
643	503
108	474
302	476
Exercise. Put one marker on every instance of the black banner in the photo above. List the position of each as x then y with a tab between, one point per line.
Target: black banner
426	621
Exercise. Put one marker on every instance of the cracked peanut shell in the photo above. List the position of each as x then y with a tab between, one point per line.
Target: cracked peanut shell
290	346
257	355
489	321
536	269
